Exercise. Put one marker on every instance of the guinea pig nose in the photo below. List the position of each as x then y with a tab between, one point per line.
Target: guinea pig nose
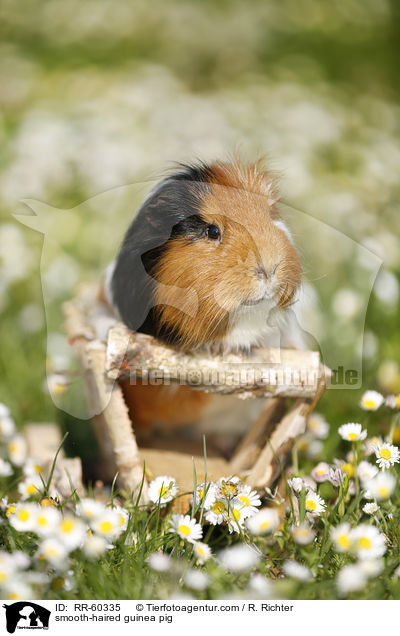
261	273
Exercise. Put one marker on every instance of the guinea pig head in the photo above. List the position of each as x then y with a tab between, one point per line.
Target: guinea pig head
235	257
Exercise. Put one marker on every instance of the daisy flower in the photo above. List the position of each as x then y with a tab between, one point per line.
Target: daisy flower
201	551
320	472
70	531
46	520
296	484
205	494
393	401
350	578
341	537
263	521
53	551
387	455
122	515
237	515
57	384
7	426
366	471
296	570
109	524
302	534
314	503
335	476
218	512
17	449
346	468
370	508
259	585
228	488
186	527
159	562
249	499
89	509
371	567
367	542
33	467
23	517
380	487
371	400
352	432
196	580
17	590
162	490
317	425
239	558
5	468
94	546
6	571
30	487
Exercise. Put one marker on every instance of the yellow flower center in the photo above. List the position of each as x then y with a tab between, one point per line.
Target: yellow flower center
229	489
396	432
42	521
310	504
67	525
348	469
201	493
23	515
10	510
344	541
200	550
264	525
13	596
3	577
383	492
59	388
106	527
12	448
31	490
245	500
218	507
364	543
46	502
164	491
301	532
121	520
369	404
236	514
385	453
184	530
352	436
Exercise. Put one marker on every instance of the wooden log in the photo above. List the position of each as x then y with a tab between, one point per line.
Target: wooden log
110	402
263	373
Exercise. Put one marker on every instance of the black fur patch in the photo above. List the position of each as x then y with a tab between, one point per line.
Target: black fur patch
171	210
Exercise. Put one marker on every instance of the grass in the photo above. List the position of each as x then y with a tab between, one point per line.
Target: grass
129	566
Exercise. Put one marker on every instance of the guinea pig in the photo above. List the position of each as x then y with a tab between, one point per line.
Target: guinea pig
206	261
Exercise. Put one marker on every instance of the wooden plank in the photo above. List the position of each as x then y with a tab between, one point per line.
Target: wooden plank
263	373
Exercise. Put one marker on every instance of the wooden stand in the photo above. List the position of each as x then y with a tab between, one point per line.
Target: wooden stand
110	352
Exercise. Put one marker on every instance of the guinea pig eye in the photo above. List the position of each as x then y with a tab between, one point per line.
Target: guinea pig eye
213	232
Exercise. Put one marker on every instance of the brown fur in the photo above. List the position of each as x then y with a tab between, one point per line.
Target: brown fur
205	281
169	407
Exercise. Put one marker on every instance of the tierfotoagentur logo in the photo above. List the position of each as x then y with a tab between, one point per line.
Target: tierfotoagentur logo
26	615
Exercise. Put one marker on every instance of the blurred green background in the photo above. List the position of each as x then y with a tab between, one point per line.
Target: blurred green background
97	94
